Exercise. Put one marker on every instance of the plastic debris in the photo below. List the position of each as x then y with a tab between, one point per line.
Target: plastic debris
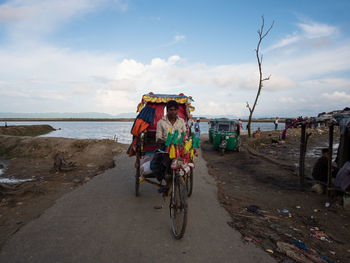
327	204
299	244
316	233
286	212
325	258
254	209
298	207
269	250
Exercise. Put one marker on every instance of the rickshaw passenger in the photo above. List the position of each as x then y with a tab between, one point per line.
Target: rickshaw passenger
172	121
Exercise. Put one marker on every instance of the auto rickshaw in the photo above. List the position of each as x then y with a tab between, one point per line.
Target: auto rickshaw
179	147
211	130
226	135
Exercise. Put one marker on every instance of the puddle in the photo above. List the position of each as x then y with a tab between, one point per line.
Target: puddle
10	180
14	181
315	152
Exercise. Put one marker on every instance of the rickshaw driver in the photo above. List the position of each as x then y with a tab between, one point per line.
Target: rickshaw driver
171	120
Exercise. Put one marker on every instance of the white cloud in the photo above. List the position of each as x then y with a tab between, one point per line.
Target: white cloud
288	40
316	30
337	96
310	33
178	38
286	99
33	18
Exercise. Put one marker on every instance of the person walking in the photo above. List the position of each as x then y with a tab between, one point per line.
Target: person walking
197	129
276	122
240	124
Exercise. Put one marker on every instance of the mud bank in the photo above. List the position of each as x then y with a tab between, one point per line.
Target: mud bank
30	185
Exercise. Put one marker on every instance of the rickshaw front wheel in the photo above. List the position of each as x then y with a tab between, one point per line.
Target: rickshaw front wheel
178	207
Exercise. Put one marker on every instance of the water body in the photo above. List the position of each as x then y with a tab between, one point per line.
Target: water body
108	130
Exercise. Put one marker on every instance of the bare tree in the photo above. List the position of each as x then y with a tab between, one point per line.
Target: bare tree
262	35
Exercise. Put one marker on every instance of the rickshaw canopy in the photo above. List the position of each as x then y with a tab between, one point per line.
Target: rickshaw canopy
164	99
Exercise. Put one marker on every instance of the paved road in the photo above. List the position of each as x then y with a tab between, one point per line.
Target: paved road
103	221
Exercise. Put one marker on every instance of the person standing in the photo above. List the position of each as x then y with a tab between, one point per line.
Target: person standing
197	129
240	124
190	125
276	123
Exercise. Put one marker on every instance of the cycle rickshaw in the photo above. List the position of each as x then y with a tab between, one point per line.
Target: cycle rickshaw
180	147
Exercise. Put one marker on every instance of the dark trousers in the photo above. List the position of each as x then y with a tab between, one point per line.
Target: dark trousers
160	164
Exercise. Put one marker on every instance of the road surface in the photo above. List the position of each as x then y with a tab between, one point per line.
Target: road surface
103	221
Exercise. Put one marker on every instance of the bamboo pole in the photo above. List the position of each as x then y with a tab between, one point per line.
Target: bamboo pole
330	153
302	154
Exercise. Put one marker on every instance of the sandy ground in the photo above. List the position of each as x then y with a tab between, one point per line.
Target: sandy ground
246	179
32	158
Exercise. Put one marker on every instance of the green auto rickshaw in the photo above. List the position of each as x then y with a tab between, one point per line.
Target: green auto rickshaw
211	130
226	135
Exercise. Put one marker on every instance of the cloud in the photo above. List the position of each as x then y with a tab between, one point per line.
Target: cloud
309	33
316	30
337	96
288	40
33	18
286	100
178	38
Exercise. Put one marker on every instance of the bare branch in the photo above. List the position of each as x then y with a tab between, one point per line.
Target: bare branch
268	78
259	58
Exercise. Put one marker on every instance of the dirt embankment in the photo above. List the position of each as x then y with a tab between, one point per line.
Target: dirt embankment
287	152
33	158
269	208
26	130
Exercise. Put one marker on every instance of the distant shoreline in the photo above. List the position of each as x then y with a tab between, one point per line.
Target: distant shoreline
108	120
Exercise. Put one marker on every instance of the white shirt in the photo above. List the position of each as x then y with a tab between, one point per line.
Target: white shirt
164	125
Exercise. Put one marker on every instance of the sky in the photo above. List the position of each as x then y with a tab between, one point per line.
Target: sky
103	55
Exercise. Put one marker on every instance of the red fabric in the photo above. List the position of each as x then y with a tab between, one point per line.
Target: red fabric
158	114
182	111
151	147
140	125
133	147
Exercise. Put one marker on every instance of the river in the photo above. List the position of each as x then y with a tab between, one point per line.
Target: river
108	130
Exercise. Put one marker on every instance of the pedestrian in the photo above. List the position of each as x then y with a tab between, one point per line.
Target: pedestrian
276	122
240	124
190	125
197	129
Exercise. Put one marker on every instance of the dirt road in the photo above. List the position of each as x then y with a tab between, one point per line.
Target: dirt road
103	221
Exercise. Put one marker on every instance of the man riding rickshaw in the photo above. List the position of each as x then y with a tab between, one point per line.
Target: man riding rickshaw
165	151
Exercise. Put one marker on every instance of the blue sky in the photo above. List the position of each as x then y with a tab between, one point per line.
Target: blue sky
102	55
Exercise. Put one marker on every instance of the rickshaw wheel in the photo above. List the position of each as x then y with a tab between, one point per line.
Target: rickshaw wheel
137	182
189	183
178	208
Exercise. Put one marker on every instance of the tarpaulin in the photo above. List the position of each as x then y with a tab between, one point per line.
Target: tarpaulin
159	113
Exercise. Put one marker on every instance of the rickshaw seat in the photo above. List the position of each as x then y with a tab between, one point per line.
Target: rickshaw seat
150	141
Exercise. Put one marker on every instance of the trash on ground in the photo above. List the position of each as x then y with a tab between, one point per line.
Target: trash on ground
254	209
316	233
